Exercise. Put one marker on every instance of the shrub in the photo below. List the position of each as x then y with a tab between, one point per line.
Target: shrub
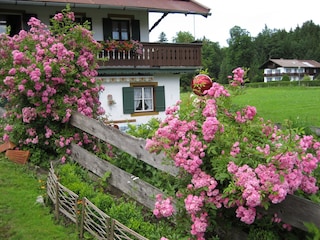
285	78
123	209
46	74
313	83
231	162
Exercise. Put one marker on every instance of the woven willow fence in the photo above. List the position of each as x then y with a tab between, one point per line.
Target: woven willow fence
85	214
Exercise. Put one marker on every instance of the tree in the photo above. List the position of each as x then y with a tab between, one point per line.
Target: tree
183	37
163	37
240	51
211	57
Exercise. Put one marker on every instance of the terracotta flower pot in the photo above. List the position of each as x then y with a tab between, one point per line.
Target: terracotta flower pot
7	145
18	156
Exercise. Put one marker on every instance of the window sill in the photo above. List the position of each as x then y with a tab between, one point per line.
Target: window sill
136	114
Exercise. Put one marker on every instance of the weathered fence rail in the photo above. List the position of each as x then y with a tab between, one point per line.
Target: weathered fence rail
85	214
296	211
136	188
293	210
132	145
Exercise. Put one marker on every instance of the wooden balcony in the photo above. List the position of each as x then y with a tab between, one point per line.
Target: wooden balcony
154	55
292	74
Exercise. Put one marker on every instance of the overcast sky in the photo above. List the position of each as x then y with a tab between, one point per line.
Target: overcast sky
251	15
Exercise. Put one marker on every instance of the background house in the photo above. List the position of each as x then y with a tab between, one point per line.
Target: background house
138	84
275	69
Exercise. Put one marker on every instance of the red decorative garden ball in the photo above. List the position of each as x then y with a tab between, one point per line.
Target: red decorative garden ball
200	83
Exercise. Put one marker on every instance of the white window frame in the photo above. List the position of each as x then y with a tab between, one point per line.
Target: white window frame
143	102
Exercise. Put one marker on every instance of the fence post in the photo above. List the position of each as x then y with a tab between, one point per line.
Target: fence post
111	232
76	214
56	204
83	212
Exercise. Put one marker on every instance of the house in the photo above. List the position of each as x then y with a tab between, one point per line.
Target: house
140	84
275	69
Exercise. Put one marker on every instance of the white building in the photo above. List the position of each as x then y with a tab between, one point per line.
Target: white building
137	86
275	69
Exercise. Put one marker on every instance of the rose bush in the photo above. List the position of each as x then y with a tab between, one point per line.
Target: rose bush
229	158
46	73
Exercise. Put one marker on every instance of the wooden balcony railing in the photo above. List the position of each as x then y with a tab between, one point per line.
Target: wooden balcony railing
155	55
282	74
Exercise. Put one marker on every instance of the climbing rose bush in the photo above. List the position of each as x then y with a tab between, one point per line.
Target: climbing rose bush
46	73
229	158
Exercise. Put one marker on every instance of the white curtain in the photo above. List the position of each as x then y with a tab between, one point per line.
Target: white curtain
137	98
148	98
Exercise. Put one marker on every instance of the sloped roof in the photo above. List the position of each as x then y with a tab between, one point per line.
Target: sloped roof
294	63
165	6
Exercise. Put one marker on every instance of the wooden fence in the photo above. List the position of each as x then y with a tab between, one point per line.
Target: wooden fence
85	214
293	210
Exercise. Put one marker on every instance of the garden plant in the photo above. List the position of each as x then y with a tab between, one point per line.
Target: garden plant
46	73
231	161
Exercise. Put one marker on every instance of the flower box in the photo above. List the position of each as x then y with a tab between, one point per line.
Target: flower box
6	145
18	156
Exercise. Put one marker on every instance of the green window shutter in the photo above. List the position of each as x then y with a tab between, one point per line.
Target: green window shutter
135	30
128	100
160	99
107	28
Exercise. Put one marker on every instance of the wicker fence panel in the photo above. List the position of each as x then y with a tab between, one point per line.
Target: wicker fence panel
90	218
52	182
94	221
68	203
122	232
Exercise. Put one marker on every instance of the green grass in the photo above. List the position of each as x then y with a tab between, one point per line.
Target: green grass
298	104
20	216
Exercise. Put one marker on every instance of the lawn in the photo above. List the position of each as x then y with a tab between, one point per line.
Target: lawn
299	104
20	216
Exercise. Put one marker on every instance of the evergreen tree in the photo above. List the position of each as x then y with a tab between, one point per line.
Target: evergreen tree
163	37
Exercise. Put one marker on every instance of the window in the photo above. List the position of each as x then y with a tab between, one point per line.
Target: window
15	20
143	99
81	18
121	28
3	25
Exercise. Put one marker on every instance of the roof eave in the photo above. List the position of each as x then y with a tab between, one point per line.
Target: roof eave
85	5
204	14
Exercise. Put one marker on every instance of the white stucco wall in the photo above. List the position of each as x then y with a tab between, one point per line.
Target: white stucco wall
97	14
113	112
277	74
113	86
